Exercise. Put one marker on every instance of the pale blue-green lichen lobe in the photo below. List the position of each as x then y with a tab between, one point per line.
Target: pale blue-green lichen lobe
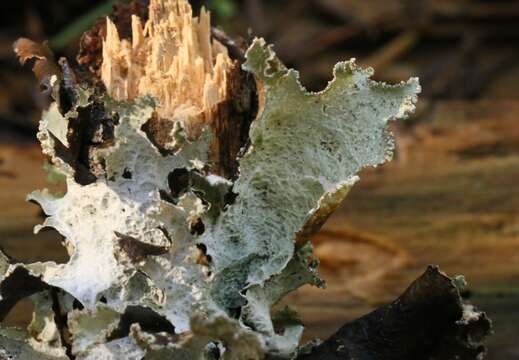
305	151
303	146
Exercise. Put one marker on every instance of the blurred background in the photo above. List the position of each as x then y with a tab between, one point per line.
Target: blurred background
450	197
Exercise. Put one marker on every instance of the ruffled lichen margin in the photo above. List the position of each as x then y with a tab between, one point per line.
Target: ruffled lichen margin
144	278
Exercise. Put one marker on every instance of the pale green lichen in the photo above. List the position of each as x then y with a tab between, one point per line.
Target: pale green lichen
89	328
305	151
303	146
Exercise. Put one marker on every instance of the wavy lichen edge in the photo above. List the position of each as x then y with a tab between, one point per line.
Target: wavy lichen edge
133	251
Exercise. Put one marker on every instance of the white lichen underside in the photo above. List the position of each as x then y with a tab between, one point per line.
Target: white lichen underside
91	218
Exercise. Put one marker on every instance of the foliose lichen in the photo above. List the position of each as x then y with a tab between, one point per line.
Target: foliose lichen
161	274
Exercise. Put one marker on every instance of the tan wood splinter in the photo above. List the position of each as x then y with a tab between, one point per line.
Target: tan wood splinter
172	58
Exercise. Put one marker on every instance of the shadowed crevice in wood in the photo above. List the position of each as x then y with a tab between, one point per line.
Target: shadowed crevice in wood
18	285
149	321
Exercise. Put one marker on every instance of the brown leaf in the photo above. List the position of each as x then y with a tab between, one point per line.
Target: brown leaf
44	63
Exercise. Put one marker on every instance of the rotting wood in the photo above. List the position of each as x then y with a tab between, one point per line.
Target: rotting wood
429	321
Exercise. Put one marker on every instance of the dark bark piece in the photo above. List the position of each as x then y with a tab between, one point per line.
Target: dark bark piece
429	321
82	131
236	47
60	319
91	128
137	250
232	121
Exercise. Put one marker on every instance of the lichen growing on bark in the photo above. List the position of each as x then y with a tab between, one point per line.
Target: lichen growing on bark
168	259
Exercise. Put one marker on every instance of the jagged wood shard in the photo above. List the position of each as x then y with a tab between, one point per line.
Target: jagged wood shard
172	58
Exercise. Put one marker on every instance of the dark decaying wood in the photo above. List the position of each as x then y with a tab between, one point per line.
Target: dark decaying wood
429	321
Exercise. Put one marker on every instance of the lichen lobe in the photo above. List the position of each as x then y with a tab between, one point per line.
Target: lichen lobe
152	230
305	151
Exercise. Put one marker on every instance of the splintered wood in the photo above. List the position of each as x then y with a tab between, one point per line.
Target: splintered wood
171	58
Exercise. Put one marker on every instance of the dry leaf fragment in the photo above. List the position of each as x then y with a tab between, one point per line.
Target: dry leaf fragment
44	63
